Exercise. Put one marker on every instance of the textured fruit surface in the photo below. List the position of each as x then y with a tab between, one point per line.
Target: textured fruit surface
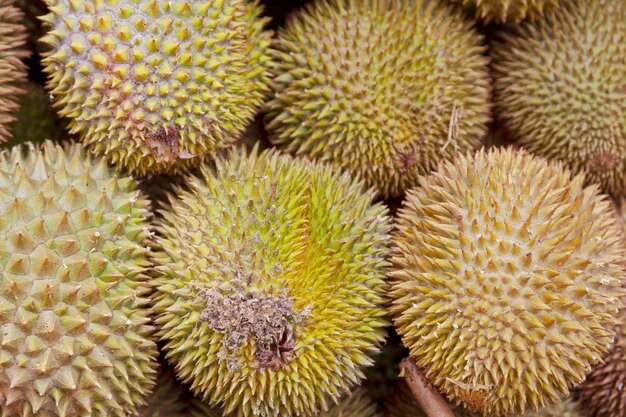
501	11
170	399
12	68
559	88
36	120
382	88
271	295
358	404
74	333
157	85
506	279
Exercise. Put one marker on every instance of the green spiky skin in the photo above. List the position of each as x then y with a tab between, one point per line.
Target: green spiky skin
36	120
358	404
382	88
501	11
506	280
169	399
13	51
75	338
157	85
296	236
559	88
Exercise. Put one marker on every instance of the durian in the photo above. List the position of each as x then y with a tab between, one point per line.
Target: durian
501	11
157	85
358	404
382	88
13	51
75	338
271	295
36	120
506	280
559	88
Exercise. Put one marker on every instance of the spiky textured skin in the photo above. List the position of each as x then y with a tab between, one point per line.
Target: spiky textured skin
157	85
74	334
36	120
382	88
169	399
506	280
358	404
12	68
290	232
559	88
501	11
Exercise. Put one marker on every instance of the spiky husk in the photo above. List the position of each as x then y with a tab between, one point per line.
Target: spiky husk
13	51
293	240
559	88
170	399
75	338
155	85
358	404
501	11
506	279
382	88
33	9
36	120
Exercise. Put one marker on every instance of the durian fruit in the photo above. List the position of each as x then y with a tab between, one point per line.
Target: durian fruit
36	120
157	85
559	88
506	280
75	338
271	294
358	404
501	11
169	399
382	88
13	51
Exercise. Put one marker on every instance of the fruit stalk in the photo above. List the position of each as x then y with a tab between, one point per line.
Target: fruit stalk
432	402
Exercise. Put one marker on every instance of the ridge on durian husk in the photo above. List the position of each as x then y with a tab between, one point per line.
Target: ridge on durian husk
75	339
36	120
13	70
270	298
506	280
382	88
501	11
154	85
558	88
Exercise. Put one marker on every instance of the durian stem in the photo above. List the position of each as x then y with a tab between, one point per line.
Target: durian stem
432	402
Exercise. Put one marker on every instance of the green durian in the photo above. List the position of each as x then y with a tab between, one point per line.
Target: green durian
270	297
385	89
157	86
75	332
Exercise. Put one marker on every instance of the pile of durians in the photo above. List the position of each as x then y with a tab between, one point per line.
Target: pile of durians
205	212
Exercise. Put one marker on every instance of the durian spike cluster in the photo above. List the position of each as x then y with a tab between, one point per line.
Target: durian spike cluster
502	11
271	295
506	280
559	88
380	88
357	404
156	86
13	51
76	337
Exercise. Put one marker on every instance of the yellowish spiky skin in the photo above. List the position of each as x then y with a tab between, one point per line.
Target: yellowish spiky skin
559	88
75	337
12	68
358	404
157	85
506	280
382	88
290	232
501	11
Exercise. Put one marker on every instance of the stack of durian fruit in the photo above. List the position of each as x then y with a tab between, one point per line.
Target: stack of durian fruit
228	208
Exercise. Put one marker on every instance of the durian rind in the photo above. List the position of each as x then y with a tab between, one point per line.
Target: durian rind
501	11
267	228
506	280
